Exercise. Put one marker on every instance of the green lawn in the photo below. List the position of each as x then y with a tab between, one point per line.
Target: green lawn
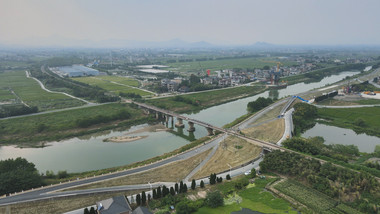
56	124
32	94
359	119
206	99
256	199
122	80
6	95
111	87
243	63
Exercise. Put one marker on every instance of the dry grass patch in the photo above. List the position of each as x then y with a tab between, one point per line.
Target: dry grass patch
173	172
233	151
269	115
269	132
61	205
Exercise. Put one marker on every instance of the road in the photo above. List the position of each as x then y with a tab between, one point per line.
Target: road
49	192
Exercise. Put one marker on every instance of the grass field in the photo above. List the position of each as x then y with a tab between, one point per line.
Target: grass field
336	102
56	125
359	119
6	95
233	151
318	202
122	80
107	85
62	205
31	93
269	132
206	99
243	63
173	172
254	198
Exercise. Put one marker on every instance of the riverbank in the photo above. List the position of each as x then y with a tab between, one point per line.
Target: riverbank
361	120
34	131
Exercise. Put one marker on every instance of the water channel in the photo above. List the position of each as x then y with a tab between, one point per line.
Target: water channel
91	153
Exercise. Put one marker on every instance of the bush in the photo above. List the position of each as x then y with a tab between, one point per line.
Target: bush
214	199
62	174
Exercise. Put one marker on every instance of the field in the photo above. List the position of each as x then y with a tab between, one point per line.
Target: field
6	95
254	198
233	151
342	102
121	80
106	84
359	119
269	132
311	198
62	205
29	91
220	64
173	172
57	124
206	99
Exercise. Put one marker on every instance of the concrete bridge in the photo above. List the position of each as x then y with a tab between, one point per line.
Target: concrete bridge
165	114
169	115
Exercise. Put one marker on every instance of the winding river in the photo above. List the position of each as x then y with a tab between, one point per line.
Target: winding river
91	153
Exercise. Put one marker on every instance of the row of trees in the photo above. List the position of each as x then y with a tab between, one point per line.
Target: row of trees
304	117
14	110
86	122
327	178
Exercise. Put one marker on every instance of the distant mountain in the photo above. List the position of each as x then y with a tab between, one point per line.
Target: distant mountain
57	41
262	44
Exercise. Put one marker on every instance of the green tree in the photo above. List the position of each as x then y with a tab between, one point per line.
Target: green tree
92	210
159	194
253	173
143	198
62	174
214	199
193	184
202	185
86	211
176	188
138	199
172	191
154	194
184	188
228	177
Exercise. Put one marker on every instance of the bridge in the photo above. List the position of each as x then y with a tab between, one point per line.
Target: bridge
165	114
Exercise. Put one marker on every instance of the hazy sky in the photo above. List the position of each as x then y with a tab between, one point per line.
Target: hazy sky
219	21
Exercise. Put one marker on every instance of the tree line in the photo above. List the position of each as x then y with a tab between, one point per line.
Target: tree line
15	110
259	104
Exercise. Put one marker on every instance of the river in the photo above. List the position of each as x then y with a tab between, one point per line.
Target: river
91	153
337	135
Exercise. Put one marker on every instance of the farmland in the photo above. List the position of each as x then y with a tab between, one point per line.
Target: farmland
30	92
121	80
220	64
318	202
113	84
254	198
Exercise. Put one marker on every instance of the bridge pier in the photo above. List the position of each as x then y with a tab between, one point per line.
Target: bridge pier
191	127
179	123
210	131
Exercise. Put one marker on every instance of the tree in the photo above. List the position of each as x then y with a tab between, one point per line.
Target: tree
159	194
138	199
214	199
62	174
228	177
176	187
172	191
143	198
193	184
92	210
18	174
202	185
212	179
86	211
184	188
149	197
154	194
253	173
181	187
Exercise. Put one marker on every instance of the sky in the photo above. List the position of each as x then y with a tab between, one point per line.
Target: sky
238	22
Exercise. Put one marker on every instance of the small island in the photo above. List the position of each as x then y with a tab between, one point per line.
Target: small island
123	139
